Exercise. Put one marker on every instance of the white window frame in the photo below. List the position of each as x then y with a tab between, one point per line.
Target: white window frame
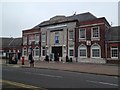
42	51
85	33
24	51
69	35
98	32
30	41
70	48
93	47
43	37
82	46
24	40
114	48
35	50
69	52
37	38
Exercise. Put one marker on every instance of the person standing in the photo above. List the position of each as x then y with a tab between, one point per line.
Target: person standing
31	60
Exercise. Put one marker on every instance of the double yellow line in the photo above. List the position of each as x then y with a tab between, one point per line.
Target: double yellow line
21	85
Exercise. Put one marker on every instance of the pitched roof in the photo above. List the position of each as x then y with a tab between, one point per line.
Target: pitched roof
112	34
5	42
17	42
10	42
59	19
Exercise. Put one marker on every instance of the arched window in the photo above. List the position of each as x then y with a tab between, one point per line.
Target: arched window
36	51
83	51
95	51
25	51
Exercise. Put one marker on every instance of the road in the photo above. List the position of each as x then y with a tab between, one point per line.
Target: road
46	78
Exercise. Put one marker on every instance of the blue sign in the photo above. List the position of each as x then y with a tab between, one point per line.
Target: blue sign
56	39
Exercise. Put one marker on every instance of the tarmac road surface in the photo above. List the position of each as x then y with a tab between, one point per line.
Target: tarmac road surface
47	78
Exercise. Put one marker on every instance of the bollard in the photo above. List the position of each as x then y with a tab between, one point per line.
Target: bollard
22	60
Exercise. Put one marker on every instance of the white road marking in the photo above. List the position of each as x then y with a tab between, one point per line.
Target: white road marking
19	84
115	77
44	75
7	69
102	82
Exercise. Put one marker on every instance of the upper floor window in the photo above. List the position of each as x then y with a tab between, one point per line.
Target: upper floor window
24	40
37	37
114	52
71	35
31	39
82	33
56	37
95	32
43	39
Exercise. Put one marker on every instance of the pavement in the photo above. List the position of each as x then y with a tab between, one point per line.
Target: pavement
99	69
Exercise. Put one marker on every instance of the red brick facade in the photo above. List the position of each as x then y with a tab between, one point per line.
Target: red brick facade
89	45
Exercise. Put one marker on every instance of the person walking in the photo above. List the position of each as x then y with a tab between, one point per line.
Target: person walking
31	60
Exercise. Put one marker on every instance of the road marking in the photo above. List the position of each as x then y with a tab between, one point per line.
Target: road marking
47	75
18	84
115	77
102	83
7	69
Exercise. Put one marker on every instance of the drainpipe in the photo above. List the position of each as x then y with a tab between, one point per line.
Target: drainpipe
76	54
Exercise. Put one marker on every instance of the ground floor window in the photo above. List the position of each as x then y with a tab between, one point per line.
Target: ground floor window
25	51
114	52
95	51
71	52
83	51
43	51
37	51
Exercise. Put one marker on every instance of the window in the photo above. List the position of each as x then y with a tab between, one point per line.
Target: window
114	52
30	50
24	40
95	32
95	51
82	33
71	52
71	35
31	39
56	37
25	51
83	51
43	51
37	38
43	37
36	51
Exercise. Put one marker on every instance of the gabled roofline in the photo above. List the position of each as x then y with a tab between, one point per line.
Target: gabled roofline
59	23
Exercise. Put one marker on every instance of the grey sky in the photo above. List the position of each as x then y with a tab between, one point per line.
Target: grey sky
18	16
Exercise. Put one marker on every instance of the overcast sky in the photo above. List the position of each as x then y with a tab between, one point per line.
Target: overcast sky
18	16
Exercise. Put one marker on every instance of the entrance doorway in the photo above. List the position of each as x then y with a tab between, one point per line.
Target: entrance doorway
57	50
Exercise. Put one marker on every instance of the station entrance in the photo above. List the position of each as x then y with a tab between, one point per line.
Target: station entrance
57	50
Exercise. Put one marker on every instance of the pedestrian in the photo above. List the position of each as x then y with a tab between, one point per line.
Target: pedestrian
19	55
31	60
